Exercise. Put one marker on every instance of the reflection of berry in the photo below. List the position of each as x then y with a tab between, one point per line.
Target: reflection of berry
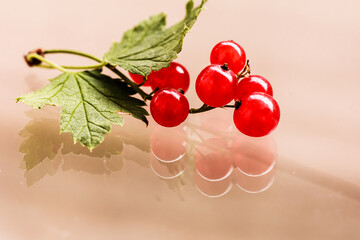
212	188
175	76
254	156
223	119
169	107
212	160
139	79
254	184
229	52
258	115
215	85
167	170
168	144
251	84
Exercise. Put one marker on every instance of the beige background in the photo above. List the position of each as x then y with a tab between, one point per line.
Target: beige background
310	52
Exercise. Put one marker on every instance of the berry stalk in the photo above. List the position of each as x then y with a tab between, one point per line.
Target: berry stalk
50	64
205	108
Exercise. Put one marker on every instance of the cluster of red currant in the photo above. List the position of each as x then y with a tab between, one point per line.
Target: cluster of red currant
226	79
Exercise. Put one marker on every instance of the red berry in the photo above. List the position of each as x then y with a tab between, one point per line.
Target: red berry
139	79
169	107
175	76
258	115
215	85
229	52
251	84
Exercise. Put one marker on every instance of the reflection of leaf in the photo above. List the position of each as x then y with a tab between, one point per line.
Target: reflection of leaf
149	46
45	150
112	145
37	148
133	134
90	102
92	165
46	167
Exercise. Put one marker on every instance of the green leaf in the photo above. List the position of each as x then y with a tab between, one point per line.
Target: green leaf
149	46
90	102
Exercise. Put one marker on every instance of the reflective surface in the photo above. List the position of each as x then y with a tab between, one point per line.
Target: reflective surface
202	179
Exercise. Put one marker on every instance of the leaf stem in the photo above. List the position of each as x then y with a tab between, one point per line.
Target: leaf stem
73	52
132	84
95	66
109	66
42	59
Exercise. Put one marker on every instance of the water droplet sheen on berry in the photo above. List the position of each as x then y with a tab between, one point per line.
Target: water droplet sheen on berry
229	52
169	108
258	115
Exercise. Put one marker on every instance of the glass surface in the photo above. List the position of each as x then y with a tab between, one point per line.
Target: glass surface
203	179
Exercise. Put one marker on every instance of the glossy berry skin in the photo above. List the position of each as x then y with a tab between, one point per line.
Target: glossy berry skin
175	76
139	79
229	52
169	107
251	84
215	85
257	115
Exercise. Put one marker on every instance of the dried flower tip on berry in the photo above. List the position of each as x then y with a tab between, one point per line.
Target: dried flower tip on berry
225	67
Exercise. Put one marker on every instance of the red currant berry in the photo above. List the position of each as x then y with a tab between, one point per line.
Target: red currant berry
169	107
175	76
251	84
139	79
229	52
257	115
215	85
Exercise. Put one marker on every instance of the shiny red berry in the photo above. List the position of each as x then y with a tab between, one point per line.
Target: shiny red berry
257	115
139	79
215	85
229	52
175	76
169	107
251	84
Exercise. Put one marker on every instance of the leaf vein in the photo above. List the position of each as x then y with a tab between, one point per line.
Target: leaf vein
72	114
82	101
61	88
